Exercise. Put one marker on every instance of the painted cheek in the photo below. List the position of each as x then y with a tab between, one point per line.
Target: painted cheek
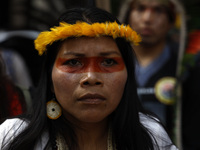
91	64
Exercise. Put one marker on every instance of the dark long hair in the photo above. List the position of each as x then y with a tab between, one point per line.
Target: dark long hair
128	132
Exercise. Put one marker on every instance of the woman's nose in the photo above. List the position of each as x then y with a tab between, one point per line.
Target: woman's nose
91	79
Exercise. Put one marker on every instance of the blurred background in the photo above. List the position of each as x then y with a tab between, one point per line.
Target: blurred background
22	20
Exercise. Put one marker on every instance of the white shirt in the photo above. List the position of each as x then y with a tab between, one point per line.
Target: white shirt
12	127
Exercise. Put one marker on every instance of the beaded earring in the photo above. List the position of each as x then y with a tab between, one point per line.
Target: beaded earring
54	110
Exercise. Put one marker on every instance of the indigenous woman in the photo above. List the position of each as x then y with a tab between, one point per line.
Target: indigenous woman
87	97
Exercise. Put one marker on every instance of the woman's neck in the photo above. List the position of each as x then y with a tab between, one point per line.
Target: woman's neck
92	136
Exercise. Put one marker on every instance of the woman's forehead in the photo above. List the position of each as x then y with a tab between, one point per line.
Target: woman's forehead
89	45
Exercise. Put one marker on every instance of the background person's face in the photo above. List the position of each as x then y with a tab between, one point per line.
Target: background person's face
149	18
89	77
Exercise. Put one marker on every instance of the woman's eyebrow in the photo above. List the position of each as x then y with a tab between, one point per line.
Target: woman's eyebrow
109	53
74	54
83	55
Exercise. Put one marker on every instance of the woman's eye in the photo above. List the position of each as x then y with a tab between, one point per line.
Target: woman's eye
73	62
109	62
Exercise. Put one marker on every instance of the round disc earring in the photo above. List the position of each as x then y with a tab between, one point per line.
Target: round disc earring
54	110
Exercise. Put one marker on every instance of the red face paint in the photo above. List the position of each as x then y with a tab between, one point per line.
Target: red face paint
90	64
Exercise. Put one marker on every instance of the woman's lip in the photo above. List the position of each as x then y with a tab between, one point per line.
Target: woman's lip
92	98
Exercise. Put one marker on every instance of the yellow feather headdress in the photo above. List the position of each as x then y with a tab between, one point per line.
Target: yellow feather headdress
79	29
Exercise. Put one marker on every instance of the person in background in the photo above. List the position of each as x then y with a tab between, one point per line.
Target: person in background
16	68
11	97
156	55
87	96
